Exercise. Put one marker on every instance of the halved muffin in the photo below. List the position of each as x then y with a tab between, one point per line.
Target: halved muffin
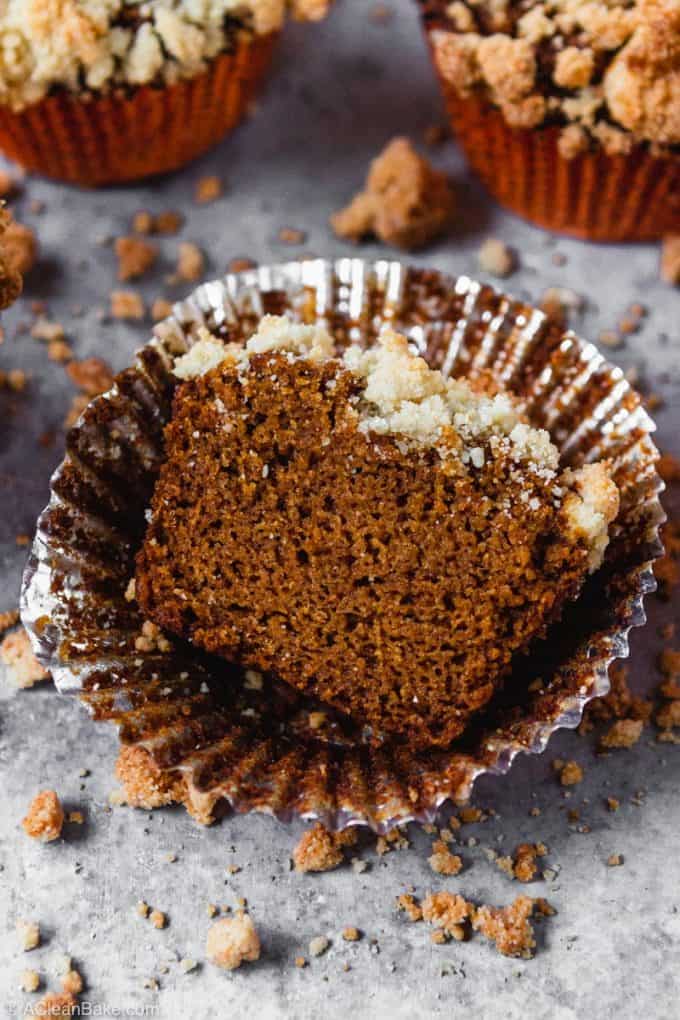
378	536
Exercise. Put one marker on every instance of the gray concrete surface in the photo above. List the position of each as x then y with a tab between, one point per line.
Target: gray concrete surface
337	93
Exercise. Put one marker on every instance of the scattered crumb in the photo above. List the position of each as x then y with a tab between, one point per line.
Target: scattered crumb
72	982
190	262
208	189
14	380
448	911
405	202
351	934
8	619
318	945
142	222
186	965
496	258
158	919
614	861
47	330
613	804
669	665
134	256
469	814
410	906
16	654
392	840
143	908
168	222
231	940
668	716
240	265
670	259
525	867
442	860
75	817
126	304
621	734
45	817
508	927
570	773
559	303
300	962
91	375
290	235
161	309
321	850
29	981
29	934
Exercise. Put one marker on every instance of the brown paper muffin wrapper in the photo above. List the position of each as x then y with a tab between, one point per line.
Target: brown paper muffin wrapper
593	196
127	135
205	733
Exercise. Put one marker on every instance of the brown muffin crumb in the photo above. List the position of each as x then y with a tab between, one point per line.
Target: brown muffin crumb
72	983
168	222
668	717
622	734
161	309
208	189
496	258
351	934
20	247
470	814
300	962
143	908
321	850
45	817
614	861
231	940
571	773
240	265
613	804
126	304
443	861
508	927
291	235
670	259
17	655
525	867
405	202
158	919
669	663
449	912
144	785
91	375
410	906
134	256
190	262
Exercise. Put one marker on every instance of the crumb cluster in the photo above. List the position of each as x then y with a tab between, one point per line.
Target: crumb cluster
321	850
405	202
45	817
231	941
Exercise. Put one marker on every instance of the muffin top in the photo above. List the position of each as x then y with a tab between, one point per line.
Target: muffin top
96	45
607	70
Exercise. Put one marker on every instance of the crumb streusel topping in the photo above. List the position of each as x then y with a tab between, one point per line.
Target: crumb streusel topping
97	45
608	72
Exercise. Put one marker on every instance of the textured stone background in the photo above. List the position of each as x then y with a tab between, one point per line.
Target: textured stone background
338	92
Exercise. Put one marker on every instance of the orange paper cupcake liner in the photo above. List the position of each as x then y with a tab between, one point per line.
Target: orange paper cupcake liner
124	136
595	196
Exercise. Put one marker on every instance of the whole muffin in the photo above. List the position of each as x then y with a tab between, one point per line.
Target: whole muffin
569	110
99	91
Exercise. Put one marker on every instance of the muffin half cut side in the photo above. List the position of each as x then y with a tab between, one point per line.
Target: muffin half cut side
378	536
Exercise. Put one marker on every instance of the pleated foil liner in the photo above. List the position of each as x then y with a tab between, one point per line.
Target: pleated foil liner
204	730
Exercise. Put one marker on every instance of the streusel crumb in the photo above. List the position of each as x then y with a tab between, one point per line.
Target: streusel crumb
29	981
508	927
571	773
17	655
135	257
126	304
496	258
45	817
624	733
443	861
405	202
321	850
231	940
410	906
29	934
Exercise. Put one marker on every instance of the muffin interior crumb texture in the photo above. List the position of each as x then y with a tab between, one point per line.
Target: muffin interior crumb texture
379	536
97	45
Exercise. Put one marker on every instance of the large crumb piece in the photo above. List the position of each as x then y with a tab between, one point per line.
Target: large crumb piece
91	375
405	202
45	817
134	256
622	734
29	981
321	850
190	262
508	927
442	860
72	982
448	911
670	259
29	934
231	940
16	654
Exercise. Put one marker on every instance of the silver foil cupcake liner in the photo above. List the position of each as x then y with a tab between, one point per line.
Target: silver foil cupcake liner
202	727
